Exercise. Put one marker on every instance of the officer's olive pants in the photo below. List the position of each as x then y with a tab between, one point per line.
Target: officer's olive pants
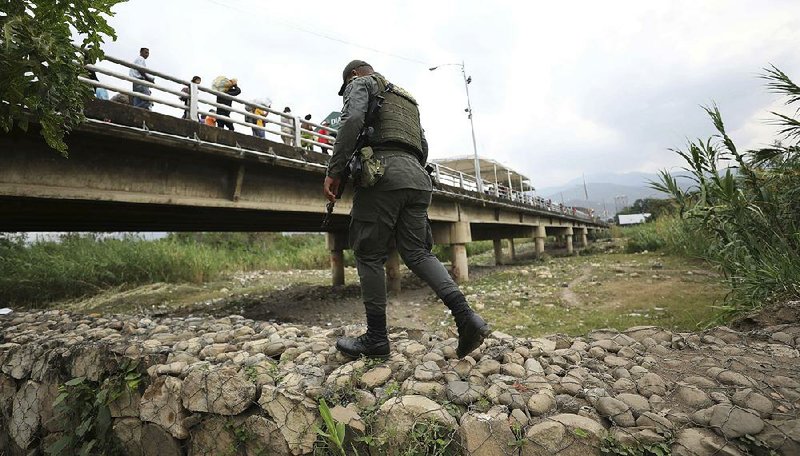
402	215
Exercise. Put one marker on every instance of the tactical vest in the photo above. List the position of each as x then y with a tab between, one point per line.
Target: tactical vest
398	119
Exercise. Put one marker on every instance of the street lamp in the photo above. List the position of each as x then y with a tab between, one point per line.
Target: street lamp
467	80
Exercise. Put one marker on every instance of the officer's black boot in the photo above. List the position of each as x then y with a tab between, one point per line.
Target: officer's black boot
471	327
372	344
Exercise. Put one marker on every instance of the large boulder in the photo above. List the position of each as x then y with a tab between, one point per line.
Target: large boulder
563	435
482	434
224	391
161	404
26	413
397	417
294	414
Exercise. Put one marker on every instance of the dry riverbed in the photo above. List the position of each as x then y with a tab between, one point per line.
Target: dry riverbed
566	294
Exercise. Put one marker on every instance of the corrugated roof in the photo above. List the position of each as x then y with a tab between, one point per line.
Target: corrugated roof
491	171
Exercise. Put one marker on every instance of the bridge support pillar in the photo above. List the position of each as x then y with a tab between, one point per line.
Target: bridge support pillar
541	235
458	254
498	251
393	277
337	242
512	249
584	237
568	236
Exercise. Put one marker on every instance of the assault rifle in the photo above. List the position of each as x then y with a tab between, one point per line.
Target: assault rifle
353	166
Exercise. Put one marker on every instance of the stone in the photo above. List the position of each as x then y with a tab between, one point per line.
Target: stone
350	417
653	420
129	433
26	410
782	436
127	404
638	404
701	442
624	385
650	384
396	417
158	442
431	390
8	388
463	393
294	414
701	382
541	403
464	366
212	437
616	361
747	398
376	376
733	422
481	434
266	437
691	397
615	410
223	391
428	371
19	362
533	367
161	404
514	370
557	435
488	367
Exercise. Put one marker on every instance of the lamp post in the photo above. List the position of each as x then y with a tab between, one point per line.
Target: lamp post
467	80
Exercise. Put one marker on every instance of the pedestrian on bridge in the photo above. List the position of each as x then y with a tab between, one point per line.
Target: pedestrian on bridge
393	207
144	53
186	98
229	87
288	132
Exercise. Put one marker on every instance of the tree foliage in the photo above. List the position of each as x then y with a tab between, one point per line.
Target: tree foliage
40	64
746	203
656	207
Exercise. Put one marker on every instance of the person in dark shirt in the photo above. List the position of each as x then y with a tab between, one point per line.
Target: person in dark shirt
231	89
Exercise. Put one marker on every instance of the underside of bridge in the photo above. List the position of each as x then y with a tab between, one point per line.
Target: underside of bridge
134	170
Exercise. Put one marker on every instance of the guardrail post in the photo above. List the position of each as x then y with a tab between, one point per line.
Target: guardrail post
193	101
297	136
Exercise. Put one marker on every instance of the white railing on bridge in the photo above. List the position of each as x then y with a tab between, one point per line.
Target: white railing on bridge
288	128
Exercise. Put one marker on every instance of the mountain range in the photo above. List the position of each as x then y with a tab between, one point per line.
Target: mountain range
607	193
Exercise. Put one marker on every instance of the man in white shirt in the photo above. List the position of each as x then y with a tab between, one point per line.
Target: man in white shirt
144	53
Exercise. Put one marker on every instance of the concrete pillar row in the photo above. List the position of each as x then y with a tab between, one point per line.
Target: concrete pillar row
460	234
337	242
584	237
512	249
393	277
540	236
569	233
498	251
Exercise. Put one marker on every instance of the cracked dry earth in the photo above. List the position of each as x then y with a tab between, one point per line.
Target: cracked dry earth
209	381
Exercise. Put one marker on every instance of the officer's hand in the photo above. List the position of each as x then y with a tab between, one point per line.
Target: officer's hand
330	187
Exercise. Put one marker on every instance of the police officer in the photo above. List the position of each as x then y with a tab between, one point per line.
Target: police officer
395	207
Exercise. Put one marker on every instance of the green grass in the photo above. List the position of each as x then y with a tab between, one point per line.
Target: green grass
36	274
615	291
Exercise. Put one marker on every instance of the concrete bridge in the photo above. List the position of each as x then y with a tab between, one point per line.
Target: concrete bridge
134	170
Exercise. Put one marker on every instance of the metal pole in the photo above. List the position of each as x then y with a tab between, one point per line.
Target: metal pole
472	127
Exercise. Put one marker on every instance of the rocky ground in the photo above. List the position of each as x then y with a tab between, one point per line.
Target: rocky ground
233	385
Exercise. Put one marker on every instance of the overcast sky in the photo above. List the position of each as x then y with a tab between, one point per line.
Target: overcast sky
559	88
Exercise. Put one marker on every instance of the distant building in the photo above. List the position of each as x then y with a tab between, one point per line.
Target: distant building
633	219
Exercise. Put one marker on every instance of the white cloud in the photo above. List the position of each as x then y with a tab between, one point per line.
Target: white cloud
559	88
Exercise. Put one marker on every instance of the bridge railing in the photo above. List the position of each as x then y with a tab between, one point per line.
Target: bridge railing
193	100
199	100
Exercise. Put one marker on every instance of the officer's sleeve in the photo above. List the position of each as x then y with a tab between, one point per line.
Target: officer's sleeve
356	103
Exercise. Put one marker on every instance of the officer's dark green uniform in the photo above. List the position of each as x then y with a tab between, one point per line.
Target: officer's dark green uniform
395	208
